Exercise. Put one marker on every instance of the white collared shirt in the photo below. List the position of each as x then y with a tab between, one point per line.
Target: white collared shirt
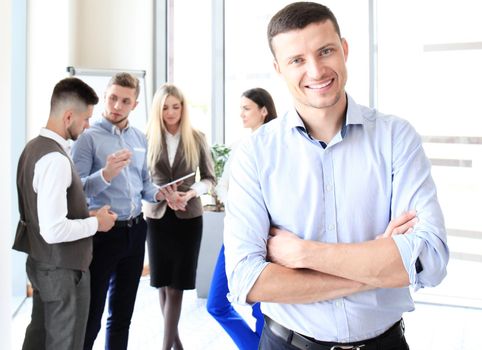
52	177
172	143
373	170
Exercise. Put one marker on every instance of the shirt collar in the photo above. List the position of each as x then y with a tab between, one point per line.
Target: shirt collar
113	129
57	138
353	117
176	136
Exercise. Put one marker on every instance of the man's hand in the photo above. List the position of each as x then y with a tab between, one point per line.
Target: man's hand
105	218
284	248
400	225
115	163
287	249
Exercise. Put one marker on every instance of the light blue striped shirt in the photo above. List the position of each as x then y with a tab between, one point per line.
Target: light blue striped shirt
125	191
373	170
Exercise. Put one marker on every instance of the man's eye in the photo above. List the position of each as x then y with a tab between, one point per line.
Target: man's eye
326	52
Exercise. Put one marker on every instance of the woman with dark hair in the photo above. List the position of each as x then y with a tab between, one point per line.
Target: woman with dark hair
257	108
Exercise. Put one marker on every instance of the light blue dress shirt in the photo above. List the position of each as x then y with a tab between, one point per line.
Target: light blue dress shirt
125	191
373	170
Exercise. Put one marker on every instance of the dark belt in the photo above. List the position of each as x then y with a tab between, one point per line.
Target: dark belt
303	342
128	223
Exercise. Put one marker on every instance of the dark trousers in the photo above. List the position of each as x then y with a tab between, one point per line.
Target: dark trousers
116	268
60	307
270	341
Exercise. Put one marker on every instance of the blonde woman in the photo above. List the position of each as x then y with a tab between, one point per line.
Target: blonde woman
174	231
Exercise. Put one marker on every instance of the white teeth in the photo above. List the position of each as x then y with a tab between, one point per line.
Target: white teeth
319	86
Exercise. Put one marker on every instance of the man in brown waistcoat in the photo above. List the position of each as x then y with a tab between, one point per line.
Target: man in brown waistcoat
55	227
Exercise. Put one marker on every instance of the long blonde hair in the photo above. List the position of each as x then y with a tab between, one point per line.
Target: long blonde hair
156	129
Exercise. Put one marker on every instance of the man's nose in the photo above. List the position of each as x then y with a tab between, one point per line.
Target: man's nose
315	68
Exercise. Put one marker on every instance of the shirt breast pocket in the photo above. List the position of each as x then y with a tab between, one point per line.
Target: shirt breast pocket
138	157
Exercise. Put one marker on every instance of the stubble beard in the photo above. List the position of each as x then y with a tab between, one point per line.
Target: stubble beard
309	103
118	122
71	135
329	104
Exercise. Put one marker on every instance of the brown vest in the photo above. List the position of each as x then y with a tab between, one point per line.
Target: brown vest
72	255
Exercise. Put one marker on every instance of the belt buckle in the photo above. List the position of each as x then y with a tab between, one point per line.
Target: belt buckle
348	347
130	222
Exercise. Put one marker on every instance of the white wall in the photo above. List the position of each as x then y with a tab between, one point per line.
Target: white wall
108	34
5	190
115	34
49	53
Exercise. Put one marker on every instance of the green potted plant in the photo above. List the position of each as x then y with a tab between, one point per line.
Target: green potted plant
220	154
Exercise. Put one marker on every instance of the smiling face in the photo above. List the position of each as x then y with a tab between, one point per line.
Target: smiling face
252	116
312	62
171	113
119	102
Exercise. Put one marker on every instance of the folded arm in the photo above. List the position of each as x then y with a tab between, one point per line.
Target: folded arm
376	263
279	284
296	264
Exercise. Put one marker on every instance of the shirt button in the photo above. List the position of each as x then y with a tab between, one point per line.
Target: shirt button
331	227
329	187
337	304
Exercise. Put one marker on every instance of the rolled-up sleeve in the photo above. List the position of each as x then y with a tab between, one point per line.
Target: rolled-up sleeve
425	251
246	225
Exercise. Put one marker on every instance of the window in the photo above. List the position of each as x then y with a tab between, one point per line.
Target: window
189	62
429	72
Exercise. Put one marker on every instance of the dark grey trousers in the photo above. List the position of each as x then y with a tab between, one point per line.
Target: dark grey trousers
60	307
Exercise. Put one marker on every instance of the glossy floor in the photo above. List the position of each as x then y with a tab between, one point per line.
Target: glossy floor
428	327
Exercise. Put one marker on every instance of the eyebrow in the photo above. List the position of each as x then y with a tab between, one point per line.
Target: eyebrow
289	58
330	44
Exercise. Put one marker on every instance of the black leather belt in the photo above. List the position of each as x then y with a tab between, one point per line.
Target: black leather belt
303	342
128	223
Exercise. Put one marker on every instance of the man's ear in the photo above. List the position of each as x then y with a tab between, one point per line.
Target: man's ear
135	105
276	66
68	116
344	44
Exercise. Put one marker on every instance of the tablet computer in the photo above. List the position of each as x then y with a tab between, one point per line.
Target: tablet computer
177	180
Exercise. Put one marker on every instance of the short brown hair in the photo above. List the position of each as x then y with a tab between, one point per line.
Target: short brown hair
125	80
299	15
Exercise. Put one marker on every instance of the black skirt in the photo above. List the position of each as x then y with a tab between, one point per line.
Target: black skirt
173	245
